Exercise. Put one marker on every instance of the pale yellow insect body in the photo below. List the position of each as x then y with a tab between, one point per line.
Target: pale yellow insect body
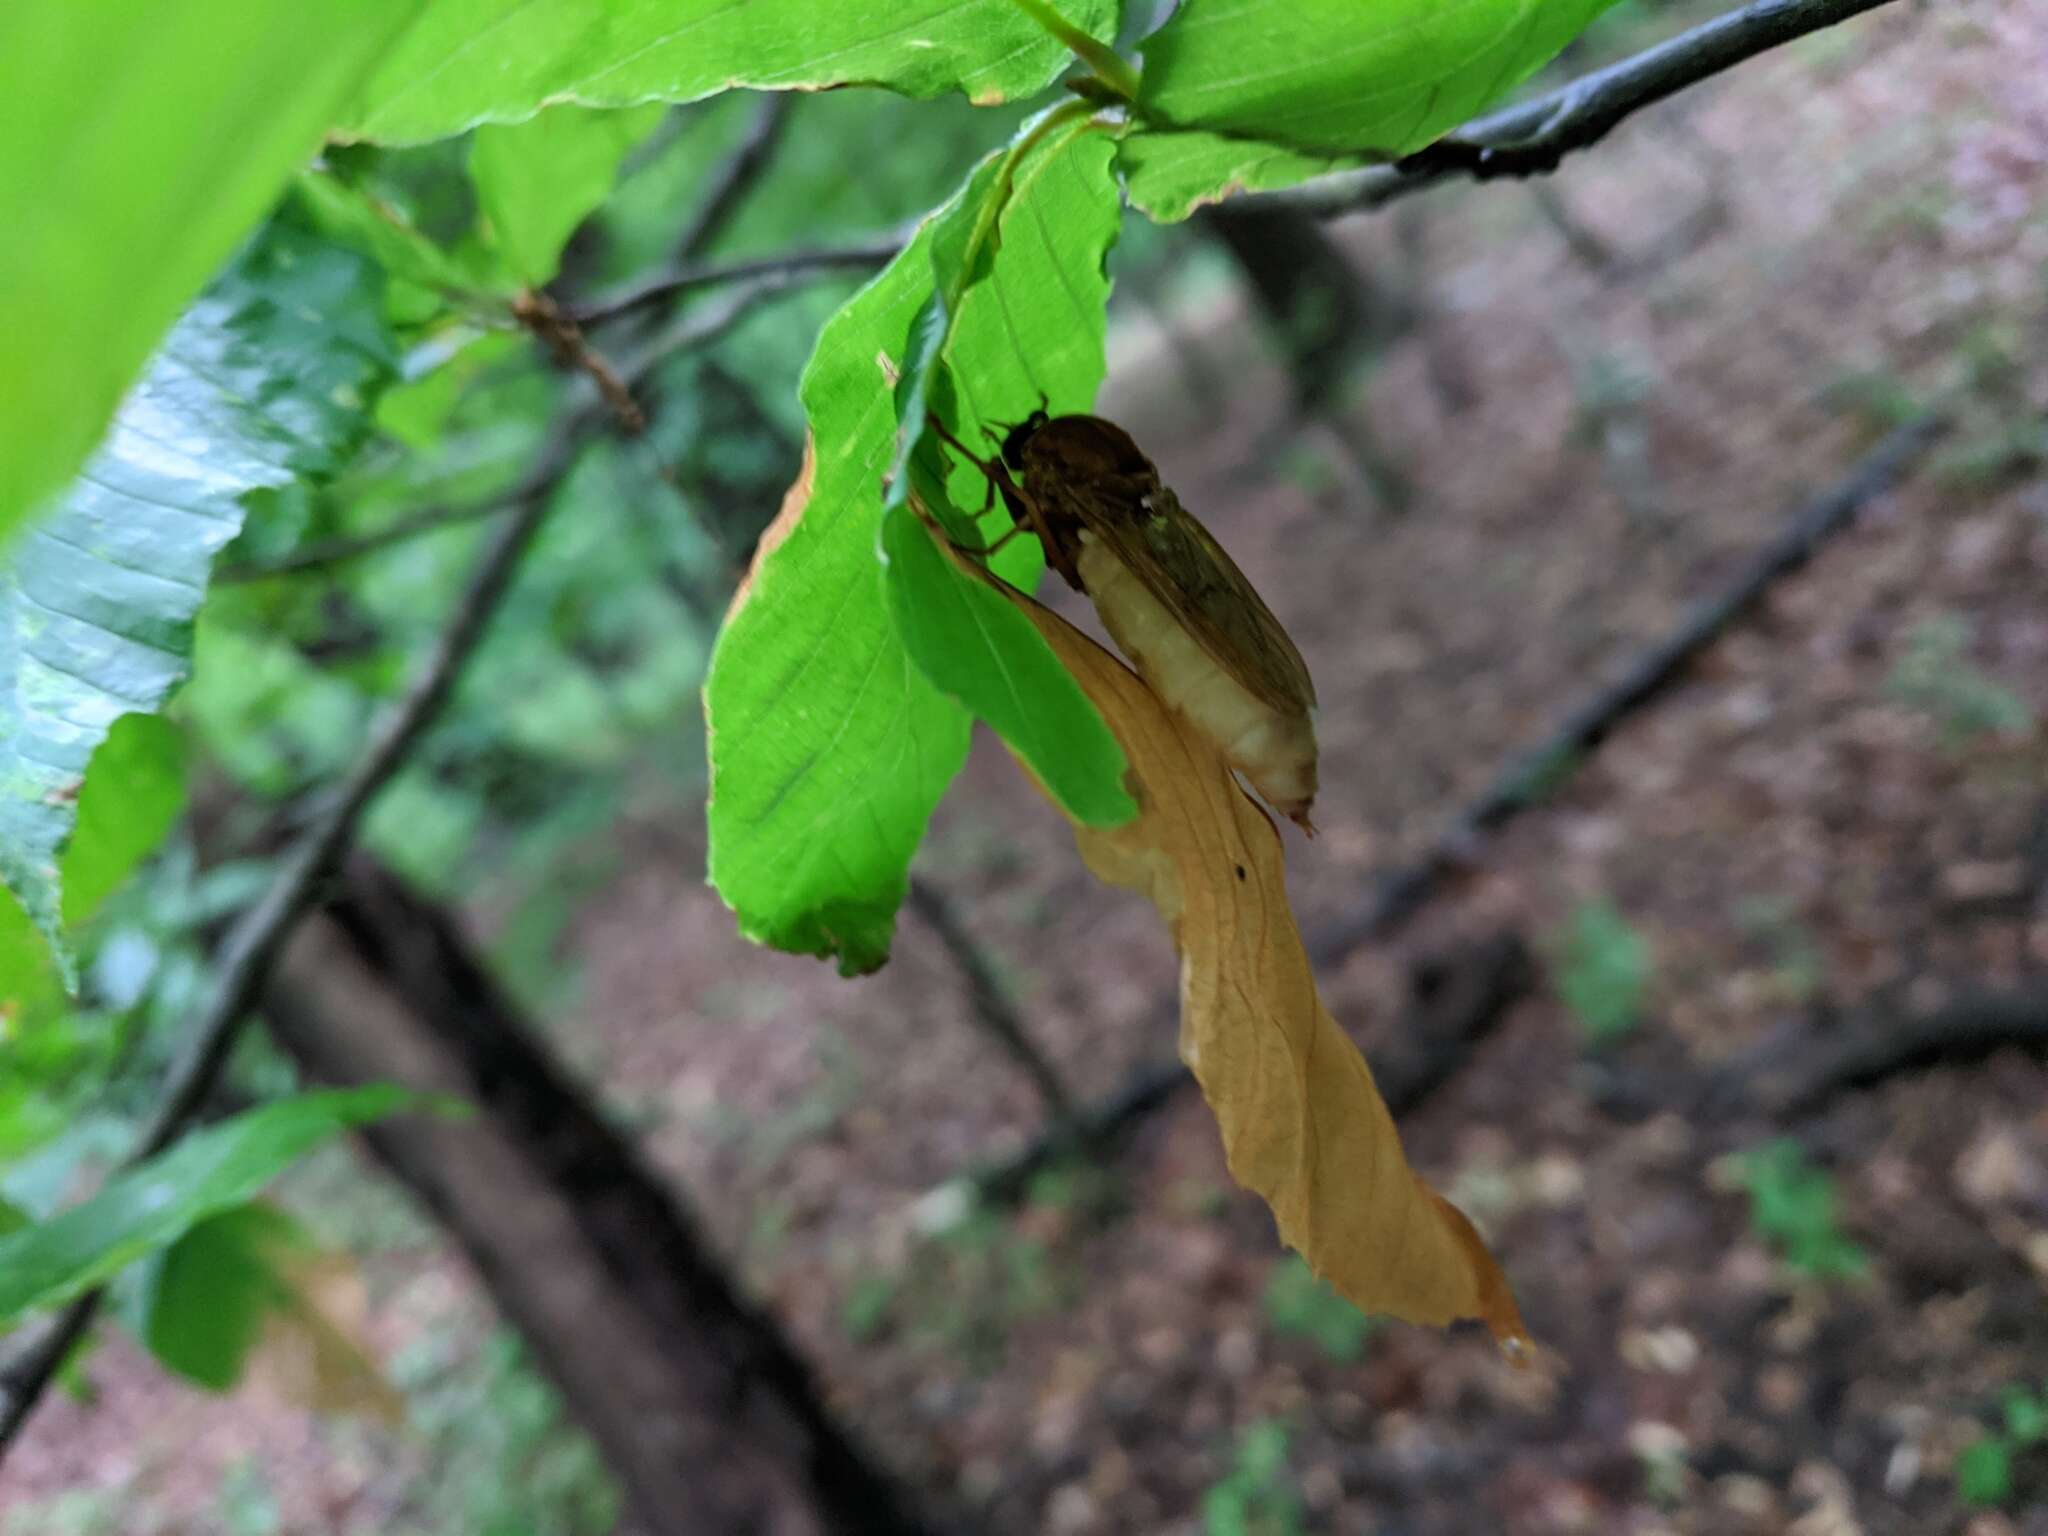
1274	749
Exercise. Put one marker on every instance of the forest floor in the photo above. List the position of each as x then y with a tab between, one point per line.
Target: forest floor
1838	818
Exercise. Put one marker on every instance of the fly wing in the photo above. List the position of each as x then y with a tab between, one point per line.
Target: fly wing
1183	566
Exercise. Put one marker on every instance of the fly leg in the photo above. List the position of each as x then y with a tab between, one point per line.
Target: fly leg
1025	512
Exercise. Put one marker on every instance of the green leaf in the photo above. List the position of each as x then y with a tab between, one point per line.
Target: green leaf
1249	94
1169	175
153	1205
267	380
977	646
480	61
31	985
538	179
203	1300
355	217
143	141
962	634
133	792
829	747
12	1217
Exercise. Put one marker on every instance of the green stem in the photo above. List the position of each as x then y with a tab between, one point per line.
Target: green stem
991	210
1110	67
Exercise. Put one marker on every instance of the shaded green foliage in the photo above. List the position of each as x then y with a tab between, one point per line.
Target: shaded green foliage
203	1299
266	383
153	1205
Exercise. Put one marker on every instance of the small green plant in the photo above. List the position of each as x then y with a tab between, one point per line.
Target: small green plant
1792	1207
865	1310
1878	396
1937	677
1255	1498
1603	972
1984	1472
1297	1303
1984	1475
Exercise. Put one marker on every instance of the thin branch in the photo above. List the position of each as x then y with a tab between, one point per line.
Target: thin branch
1532	138
325	552
992	1007
699	328
1520	782
572	352
791	265
253	945
1971	1028
730	183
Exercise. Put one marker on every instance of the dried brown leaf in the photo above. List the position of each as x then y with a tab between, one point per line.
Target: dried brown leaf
1303	1124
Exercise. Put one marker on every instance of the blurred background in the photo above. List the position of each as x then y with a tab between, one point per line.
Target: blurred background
1720	1004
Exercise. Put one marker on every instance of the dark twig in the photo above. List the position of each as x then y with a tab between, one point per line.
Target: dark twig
325	552
253	944
1967	1029
1532	138
700	328
792	266
728	186
993	1009
572	352
1520	782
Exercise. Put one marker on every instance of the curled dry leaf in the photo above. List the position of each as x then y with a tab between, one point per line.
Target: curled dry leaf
1303	1124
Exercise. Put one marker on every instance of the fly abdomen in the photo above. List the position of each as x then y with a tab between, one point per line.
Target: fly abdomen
1274	748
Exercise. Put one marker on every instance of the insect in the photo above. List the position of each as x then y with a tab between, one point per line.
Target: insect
1175	603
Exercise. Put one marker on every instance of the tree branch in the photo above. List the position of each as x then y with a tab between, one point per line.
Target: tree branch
992	1006
1971	1028
325	552
790	266
1521	780
1531	139
728	186
253	944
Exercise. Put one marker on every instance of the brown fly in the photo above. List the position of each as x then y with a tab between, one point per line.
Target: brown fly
1168	593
